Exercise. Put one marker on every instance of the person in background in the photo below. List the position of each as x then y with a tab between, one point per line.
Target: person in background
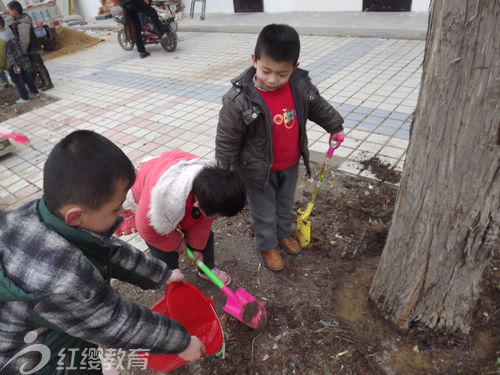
22	27
12	60
132	8
262	133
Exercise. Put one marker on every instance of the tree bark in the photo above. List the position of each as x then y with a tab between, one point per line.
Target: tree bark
446	218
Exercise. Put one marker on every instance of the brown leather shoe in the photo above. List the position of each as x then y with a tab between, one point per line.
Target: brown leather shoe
290	245
273	259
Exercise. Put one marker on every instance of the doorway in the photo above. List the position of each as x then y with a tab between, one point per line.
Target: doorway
386	5
248	5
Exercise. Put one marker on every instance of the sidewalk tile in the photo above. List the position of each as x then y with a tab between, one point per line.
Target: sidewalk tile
392	152
398	142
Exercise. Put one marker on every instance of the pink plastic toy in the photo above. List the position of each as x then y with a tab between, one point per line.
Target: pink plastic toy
19	138
241	305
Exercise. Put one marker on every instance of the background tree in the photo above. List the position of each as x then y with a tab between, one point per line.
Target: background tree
446	219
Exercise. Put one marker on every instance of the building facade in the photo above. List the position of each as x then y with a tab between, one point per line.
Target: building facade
89	8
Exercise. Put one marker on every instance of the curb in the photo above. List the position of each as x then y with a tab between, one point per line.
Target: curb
317	31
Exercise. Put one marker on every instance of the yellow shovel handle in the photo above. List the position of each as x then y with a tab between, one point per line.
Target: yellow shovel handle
305	214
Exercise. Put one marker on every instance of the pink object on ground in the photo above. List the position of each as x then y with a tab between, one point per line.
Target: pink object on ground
19	138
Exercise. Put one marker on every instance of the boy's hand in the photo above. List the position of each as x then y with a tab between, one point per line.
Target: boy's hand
176	277
194	350
196	255
342	133
181	249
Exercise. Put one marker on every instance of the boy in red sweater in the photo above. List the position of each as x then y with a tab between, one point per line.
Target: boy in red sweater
262	133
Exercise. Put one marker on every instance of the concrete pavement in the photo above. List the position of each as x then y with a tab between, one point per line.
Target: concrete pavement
389	25
398	25
171	100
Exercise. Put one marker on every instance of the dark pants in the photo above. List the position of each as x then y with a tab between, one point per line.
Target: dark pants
22	79
131	13
271	209
172	257
40	69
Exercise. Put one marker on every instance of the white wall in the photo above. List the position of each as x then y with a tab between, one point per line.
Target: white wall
312	5
89	8
213	6
86	8
226	6
420	5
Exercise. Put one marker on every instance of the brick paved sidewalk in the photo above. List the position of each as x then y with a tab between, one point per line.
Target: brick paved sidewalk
171	100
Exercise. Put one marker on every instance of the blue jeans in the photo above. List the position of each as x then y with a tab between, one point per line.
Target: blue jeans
22	79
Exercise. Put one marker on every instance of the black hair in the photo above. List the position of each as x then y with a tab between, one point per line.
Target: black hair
84	168
2	22
279	42
219	191
15	5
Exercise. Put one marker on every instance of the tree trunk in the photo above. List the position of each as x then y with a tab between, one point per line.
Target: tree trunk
446	219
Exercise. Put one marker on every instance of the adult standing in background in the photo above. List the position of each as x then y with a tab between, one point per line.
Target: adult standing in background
13	60
22	27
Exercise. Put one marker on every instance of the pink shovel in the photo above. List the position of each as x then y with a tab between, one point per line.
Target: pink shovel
19	138
242	305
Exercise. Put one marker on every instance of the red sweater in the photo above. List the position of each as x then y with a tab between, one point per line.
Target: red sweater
286	148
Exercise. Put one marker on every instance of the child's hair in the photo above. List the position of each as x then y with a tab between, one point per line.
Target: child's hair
84	168
219	191
15	5
280	42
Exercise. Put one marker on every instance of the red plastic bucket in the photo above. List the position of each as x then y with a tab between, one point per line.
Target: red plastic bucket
188	306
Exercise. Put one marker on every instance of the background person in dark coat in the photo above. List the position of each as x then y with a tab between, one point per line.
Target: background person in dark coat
13	61
22	27
131	8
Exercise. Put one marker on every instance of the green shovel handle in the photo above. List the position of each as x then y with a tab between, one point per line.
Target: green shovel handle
207	271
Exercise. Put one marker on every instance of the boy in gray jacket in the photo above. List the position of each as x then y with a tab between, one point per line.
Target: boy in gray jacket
262	133
57	258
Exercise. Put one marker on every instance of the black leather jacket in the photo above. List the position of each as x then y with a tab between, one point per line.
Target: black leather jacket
244	138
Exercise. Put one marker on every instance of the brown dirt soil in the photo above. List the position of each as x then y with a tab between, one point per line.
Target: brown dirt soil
320	318
70	41
381	170
9	108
